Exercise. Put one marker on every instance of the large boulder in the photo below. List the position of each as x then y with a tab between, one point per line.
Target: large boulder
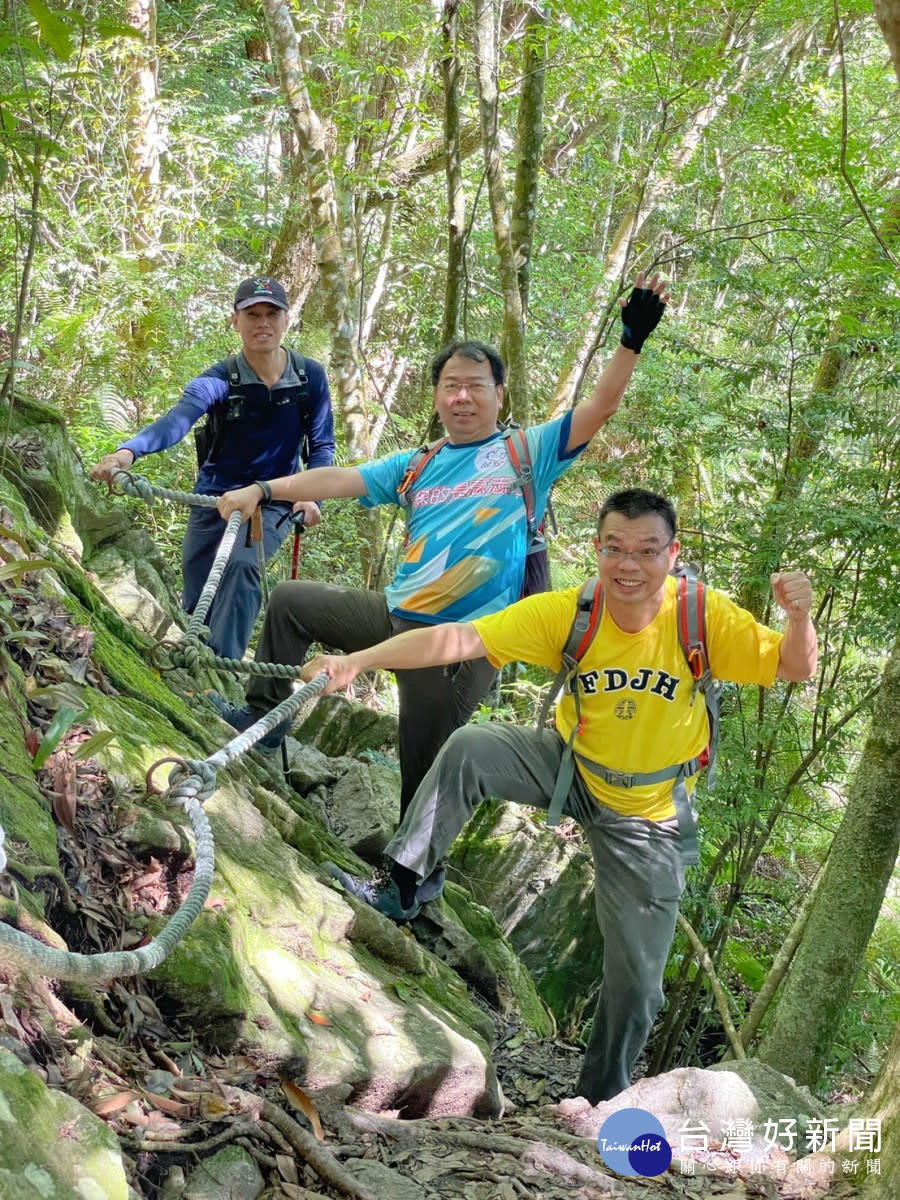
759	1112
336	726
540	887
50	1145
363	807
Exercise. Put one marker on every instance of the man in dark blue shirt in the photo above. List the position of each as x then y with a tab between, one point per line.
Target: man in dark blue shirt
266	425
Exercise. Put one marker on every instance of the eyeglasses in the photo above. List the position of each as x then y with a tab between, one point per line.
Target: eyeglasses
617	554
450	388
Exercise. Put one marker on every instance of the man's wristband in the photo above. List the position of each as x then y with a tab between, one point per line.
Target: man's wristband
265	489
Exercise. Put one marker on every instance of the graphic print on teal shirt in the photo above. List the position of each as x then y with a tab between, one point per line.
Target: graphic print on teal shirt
467	528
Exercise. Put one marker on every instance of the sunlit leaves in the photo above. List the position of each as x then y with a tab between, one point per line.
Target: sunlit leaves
55	29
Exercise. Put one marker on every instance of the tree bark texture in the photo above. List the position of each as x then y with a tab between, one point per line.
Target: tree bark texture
828	960
887	13
529	141
142	123
293	256
883	1102
327	232
512	336
454	290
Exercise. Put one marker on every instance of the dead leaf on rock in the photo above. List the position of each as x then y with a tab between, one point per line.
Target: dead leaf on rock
287	1168
64	794
317	1018
114	1102
173	1107
302	1102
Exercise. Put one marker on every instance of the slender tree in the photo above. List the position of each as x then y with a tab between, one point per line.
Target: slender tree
142	124
328	229
847	901
512	336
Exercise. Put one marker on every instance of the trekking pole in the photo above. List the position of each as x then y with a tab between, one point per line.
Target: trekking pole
297	520
255	533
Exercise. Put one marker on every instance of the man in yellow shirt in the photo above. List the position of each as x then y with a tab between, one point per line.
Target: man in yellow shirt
636	718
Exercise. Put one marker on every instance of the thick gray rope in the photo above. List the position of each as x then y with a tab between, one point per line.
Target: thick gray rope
192	652
216	571
142	489
190	790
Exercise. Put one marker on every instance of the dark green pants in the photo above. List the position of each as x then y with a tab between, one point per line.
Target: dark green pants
433	701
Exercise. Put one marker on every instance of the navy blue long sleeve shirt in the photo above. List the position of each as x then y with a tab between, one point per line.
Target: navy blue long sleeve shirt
267	441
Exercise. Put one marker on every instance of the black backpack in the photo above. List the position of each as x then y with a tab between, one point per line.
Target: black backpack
208	435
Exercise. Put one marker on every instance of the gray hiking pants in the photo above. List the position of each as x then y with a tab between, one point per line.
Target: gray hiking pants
638	876
433	701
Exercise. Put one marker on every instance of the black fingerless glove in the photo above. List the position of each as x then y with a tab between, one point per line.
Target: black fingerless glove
640	317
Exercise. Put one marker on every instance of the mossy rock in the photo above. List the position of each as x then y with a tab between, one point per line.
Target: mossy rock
541	890
35	1160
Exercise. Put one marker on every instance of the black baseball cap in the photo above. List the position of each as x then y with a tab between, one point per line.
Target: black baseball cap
260	290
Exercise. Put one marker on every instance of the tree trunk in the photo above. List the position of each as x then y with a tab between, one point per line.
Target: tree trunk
293	256
888	14
341	314
142	124
847	902
883	1104
454	289
529	140
512	336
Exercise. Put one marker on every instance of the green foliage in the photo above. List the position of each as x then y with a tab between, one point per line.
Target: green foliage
64	718
765	406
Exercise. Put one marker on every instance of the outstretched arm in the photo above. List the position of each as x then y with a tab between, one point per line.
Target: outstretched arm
641	313
432	647
321	483
799	651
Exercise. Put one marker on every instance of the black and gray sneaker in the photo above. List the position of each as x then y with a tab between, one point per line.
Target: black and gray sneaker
241	718
380	893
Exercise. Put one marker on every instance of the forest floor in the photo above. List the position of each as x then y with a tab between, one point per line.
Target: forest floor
173	1103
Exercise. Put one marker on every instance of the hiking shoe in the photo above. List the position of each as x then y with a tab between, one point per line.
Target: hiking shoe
382	894
431	888
241	718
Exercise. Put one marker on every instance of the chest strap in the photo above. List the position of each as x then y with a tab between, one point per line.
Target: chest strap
678	773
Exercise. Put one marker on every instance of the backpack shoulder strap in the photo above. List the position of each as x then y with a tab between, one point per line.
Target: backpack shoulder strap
414	468
208	434
298	362
588	613
585	623
691	621
234	371
516	442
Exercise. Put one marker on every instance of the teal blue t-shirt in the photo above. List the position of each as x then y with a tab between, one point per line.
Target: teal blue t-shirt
468	531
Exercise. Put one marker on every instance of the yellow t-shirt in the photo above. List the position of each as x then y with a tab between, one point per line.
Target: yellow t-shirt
635	687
